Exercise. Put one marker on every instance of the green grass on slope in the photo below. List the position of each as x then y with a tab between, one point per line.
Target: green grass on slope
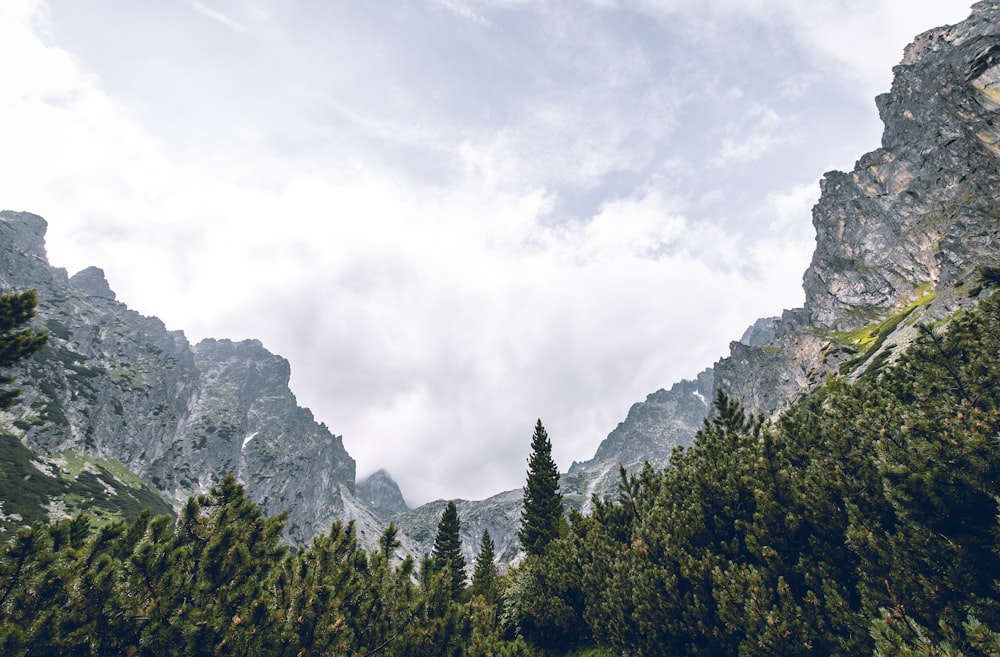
31	489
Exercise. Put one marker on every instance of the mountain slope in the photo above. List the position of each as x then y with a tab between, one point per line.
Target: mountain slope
113	384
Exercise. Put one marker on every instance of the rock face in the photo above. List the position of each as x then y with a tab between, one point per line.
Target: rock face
115	384
903	238
380	493
652	430
922	209
500	515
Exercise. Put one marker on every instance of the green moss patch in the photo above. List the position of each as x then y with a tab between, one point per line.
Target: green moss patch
868	339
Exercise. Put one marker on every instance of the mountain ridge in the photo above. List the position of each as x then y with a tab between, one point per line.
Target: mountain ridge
116	384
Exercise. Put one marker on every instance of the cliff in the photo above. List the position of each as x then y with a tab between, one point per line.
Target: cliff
113	384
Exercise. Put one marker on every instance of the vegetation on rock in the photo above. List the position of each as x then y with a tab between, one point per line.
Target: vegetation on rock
17	341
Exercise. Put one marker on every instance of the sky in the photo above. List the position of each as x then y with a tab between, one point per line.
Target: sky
453	217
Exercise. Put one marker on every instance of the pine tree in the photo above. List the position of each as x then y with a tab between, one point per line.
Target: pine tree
388	542
543	506
447	552
16	342
484	577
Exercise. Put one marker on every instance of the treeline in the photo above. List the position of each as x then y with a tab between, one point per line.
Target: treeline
863	522
218	581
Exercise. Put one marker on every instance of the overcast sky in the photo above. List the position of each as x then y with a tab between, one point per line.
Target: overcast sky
453	217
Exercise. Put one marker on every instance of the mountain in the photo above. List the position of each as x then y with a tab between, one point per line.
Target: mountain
380	493
117	387
903	239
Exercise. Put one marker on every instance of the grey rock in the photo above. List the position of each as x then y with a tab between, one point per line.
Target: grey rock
115	384
902	238
653	429
92	281
380	493
761	332
500	515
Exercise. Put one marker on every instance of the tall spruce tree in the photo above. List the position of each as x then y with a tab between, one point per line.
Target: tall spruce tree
17	342
543	504
484	576
447	554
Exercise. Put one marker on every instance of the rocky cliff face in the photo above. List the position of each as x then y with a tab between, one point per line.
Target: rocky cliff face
115	384
652	430
903	238
500	515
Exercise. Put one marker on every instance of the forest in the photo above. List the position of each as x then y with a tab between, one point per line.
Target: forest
863	521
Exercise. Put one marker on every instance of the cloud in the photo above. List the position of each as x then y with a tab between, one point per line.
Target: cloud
463	10
858	40
386	206
218	16
767	131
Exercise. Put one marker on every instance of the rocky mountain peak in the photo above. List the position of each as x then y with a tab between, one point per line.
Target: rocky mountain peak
903	238
92	281
23	261
26	232
380	493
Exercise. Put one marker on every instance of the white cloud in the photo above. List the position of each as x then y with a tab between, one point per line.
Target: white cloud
859	40
790	210
867	38
767	131
218	16
463	10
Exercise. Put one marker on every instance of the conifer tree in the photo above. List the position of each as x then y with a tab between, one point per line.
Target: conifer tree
389	541
484	577
447	554
543	505
17	342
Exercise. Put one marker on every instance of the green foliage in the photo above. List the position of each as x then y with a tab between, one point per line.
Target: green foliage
484	574
28	490
543	506
218	581
17	342
544	601
447	555
864	521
